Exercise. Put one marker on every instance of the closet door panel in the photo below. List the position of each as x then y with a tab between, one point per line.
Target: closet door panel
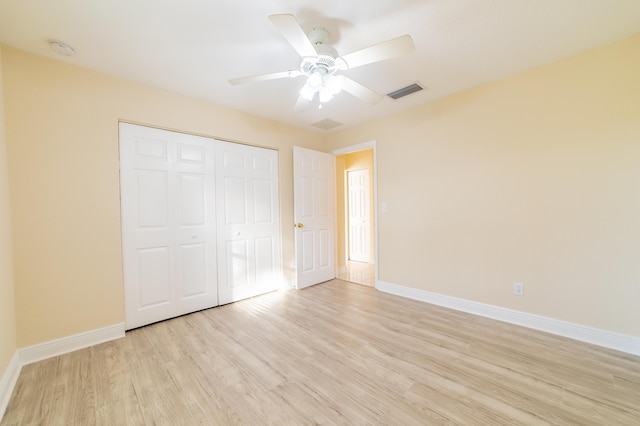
195	228
168	223
153	199
237	266
193	271
263	210
249	234
146	225
265	263
234	197
153	276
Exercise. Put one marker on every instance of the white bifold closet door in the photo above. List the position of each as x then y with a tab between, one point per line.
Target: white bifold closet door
249	259
169	226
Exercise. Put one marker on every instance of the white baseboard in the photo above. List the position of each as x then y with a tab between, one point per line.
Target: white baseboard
608	339
71	343
8	382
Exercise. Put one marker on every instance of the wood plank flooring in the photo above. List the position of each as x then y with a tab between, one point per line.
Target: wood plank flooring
335	353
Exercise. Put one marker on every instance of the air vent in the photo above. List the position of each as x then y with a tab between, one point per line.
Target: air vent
412	88
327	124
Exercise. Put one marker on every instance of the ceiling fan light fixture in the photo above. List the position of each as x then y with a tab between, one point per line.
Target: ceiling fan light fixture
307	91
325	94
325	84
316	79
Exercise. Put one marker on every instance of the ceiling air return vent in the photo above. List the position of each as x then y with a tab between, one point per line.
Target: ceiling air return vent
327	124
412	88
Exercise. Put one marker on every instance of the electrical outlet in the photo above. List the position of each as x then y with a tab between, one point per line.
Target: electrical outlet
518	288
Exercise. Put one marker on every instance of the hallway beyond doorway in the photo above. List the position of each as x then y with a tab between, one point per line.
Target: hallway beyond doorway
359	273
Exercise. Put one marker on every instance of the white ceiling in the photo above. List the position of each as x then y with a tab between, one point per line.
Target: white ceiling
194	46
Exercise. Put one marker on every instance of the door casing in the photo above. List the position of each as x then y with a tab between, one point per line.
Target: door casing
360	147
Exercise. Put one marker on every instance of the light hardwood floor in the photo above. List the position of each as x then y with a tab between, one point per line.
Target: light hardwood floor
335	353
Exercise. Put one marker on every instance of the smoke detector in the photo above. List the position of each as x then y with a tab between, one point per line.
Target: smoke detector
61	48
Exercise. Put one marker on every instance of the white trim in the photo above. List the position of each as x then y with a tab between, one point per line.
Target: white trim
608	339
71	343
354	148
8	382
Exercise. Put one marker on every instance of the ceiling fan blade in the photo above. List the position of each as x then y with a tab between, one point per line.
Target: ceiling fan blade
301	103
293	32
264	77
361	92
379	52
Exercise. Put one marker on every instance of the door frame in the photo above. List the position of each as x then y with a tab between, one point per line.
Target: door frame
361	147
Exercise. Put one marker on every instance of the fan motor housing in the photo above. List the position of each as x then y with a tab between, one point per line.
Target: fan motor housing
325	62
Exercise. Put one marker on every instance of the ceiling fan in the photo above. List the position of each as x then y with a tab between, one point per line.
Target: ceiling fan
320	63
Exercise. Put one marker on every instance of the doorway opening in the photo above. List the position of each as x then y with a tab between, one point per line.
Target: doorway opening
355	193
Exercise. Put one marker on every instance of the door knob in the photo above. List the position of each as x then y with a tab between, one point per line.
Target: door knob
299	225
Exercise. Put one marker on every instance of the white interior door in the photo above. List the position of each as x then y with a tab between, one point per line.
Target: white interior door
359	216
168	224
314	205
249	258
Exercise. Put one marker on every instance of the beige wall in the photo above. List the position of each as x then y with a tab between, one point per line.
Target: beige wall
62	135
360	160
7	308
533	179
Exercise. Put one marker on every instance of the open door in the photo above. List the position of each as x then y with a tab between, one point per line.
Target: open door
314	212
